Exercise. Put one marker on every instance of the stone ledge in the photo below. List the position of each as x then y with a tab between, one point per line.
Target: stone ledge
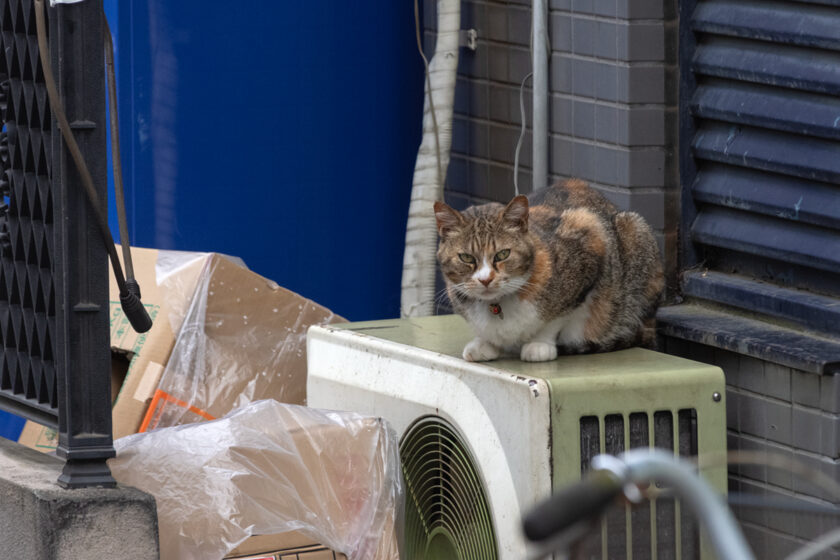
41	521
751	337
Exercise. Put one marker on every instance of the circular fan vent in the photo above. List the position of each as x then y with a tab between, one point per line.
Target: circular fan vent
446	513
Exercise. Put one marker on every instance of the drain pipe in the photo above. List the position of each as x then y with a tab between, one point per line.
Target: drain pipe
418	279
540	45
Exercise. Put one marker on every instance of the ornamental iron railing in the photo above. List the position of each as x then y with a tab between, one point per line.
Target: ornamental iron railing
54	334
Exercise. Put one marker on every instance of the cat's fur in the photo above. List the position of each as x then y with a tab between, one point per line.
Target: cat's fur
580	275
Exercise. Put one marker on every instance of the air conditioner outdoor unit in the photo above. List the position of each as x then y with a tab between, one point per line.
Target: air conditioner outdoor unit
481	443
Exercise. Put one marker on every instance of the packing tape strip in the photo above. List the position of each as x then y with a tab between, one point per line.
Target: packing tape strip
156	407
148	382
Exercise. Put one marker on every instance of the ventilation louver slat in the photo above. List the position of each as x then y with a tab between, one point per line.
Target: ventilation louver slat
760	167
662	522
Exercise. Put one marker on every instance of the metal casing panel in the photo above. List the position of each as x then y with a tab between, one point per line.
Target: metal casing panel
622	386
503	417
631	381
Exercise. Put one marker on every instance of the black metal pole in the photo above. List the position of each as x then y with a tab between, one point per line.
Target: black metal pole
81	273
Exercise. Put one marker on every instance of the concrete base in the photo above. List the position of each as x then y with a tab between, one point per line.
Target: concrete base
41	521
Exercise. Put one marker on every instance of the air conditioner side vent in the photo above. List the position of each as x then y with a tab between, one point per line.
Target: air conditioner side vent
662	522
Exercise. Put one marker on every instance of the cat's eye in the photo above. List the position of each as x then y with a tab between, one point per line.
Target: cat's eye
467	258
501	255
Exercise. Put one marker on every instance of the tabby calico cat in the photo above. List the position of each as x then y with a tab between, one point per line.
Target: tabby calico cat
568	271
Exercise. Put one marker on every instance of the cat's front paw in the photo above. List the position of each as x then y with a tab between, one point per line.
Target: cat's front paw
478	350
538	352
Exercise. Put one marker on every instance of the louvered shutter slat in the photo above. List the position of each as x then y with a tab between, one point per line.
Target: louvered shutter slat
761	124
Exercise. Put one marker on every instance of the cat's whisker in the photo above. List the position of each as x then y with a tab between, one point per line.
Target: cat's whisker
461	288
442	297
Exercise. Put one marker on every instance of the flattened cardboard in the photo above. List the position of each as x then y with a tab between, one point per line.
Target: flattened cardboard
285	546
142	349
310	443
168	303
38	437
247	342
269	468
45	439
155	346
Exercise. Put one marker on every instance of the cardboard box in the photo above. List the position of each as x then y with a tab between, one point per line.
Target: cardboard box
168	281
38	437
288	546
45	439
243	339
270	467
206	289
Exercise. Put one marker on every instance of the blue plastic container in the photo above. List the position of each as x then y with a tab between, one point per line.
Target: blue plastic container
10	425
281	132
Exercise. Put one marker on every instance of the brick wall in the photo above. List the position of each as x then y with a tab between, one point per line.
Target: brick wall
781	412
613	103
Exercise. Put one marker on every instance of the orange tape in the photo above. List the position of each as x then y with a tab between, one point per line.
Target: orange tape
161	395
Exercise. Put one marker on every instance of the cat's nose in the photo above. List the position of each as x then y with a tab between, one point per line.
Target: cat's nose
486	281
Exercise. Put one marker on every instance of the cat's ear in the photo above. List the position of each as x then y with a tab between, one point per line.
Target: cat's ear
515	214
448	219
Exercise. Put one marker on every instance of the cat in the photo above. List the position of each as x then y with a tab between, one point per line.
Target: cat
562	272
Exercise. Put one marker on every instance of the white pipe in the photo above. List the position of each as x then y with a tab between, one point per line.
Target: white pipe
418	279
539	136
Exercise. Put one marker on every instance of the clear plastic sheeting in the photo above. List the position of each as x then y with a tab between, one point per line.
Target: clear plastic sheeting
242	339
270	468
175	277
176	280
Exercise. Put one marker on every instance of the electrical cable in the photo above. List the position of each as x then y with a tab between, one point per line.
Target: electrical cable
131	304
521	135
119	193
428	85
522	118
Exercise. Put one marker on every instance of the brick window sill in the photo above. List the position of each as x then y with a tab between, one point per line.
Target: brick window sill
750	336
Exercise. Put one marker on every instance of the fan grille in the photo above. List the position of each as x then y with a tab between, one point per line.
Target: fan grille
447	516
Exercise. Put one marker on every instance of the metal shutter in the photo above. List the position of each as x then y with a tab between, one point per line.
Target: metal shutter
760	157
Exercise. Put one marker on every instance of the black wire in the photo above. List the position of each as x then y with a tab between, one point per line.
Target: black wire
73	147
129	290
119	193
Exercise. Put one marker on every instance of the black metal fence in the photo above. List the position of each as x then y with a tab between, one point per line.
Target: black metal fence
54	333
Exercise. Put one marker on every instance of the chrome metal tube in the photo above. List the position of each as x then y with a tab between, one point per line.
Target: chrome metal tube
642	466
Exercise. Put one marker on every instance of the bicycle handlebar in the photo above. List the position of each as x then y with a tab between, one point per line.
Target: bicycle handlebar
581	500
590	496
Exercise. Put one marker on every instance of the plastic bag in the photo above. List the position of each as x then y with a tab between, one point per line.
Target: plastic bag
176	275
270	468
242	339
